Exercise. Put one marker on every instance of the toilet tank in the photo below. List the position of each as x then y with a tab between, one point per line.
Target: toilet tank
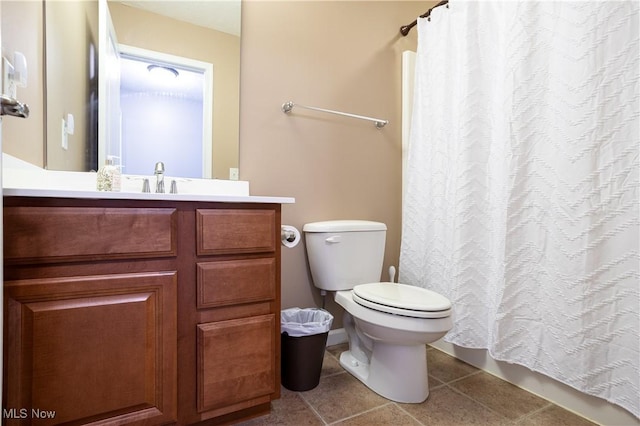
344	253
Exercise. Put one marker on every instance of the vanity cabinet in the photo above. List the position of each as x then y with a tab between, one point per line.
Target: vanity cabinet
235	326
140	311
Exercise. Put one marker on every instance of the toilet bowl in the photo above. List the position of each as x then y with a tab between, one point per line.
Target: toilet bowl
388	325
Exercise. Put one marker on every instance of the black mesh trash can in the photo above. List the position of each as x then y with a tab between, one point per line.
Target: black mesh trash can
303	341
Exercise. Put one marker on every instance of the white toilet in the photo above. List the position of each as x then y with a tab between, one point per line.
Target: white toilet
388	324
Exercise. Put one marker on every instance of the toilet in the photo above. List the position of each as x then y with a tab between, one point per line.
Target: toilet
388	325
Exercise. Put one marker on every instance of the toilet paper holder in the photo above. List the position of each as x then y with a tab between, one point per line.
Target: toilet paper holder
289	236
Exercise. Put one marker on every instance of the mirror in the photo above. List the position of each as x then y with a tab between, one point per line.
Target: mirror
205	31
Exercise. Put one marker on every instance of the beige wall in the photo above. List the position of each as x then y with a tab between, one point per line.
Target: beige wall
139	28
22	31
344	56
71	32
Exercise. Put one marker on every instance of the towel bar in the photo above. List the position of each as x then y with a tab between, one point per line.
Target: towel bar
379	123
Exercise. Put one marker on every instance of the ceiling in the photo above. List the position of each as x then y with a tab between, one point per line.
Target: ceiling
219	15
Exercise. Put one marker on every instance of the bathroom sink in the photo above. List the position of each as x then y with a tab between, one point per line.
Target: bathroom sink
23	179
19	175
192	186
49	180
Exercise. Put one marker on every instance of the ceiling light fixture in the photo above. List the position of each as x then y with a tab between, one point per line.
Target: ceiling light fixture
163	69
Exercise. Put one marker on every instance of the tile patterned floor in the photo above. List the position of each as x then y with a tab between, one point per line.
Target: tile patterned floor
460	394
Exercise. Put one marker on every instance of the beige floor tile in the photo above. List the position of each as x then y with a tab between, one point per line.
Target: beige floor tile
330	365
388	414
340	396
472	397
499	395
289	410
338	349
554	416
434	383
445	407
445	367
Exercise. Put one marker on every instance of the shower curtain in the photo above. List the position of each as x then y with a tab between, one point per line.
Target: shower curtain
521	202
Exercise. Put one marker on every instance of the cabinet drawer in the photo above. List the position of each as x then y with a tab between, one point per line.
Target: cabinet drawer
235	361
236	281
62	234
235	231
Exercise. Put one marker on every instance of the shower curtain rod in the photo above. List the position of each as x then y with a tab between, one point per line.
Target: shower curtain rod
288	106
404	30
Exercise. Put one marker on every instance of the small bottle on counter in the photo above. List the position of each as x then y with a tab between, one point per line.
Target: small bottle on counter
108	178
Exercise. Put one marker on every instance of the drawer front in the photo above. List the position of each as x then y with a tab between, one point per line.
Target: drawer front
232	282
230	231
63	234
236	361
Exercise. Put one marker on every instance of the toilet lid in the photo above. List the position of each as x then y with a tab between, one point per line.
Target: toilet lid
402	299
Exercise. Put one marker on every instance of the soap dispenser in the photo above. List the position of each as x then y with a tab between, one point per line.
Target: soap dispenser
109	176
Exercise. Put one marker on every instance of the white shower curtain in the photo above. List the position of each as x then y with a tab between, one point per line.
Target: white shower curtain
522	185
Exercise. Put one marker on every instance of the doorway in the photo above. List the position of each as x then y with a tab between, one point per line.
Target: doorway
166	103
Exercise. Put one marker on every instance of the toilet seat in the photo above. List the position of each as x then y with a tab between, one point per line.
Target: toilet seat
402	299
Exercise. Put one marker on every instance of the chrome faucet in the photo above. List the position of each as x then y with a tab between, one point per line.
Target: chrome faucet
159	172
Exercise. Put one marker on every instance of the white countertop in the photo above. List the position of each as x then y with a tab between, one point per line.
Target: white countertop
59	193
21	179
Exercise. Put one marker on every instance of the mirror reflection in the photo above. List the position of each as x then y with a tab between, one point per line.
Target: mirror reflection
172	91
71	84
201	35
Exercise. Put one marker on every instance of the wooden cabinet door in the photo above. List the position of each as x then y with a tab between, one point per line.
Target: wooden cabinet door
236	364
92	349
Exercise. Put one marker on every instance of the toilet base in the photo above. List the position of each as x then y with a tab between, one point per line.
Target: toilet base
396	372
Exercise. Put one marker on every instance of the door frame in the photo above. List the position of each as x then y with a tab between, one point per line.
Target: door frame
207	100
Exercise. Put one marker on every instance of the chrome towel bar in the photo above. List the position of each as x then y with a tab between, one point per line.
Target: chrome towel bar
379	123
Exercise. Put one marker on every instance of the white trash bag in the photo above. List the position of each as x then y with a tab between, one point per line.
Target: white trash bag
298	322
